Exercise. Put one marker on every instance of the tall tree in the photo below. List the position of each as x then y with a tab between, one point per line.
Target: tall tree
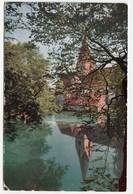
104	25
27	94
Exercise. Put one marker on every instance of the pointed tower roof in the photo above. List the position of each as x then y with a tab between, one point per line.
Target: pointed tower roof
84	63
85	48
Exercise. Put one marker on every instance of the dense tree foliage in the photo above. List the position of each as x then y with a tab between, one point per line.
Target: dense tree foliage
27	94
66	24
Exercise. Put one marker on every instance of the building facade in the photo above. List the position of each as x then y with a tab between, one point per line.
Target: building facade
83	90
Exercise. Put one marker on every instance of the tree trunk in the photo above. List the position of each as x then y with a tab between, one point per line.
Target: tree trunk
123	178
108	126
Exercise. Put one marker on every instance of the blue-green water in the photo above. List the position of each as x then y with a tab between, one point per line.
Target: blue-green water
59	155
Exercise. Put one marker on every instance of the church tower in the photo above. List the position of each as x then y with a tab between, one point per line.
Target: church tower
85	64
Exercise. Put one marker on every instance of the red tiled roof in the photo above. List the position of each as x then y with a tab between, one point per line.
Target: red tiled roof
92	99
88	98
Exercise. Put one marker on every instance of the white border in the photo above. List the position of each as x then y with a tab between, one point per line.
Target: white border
130	92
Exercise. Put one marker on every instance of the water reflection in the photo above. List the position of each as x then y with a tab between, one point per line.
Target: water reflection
23	167
38	159
84	146
34	174
105	164
84	149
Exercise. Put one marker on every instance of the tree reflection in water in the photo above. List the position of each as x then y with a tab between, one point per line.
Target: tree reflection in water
34	174
23	167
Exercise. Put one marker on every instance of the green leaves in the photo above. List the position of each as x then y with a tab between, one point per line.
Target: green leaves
27	94
55	22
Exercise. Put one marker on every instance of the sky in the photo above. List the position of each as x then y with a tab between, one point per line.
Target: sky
23	35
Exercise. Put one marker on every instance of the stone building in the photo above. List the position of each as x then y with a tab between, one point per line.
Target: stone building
80	93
